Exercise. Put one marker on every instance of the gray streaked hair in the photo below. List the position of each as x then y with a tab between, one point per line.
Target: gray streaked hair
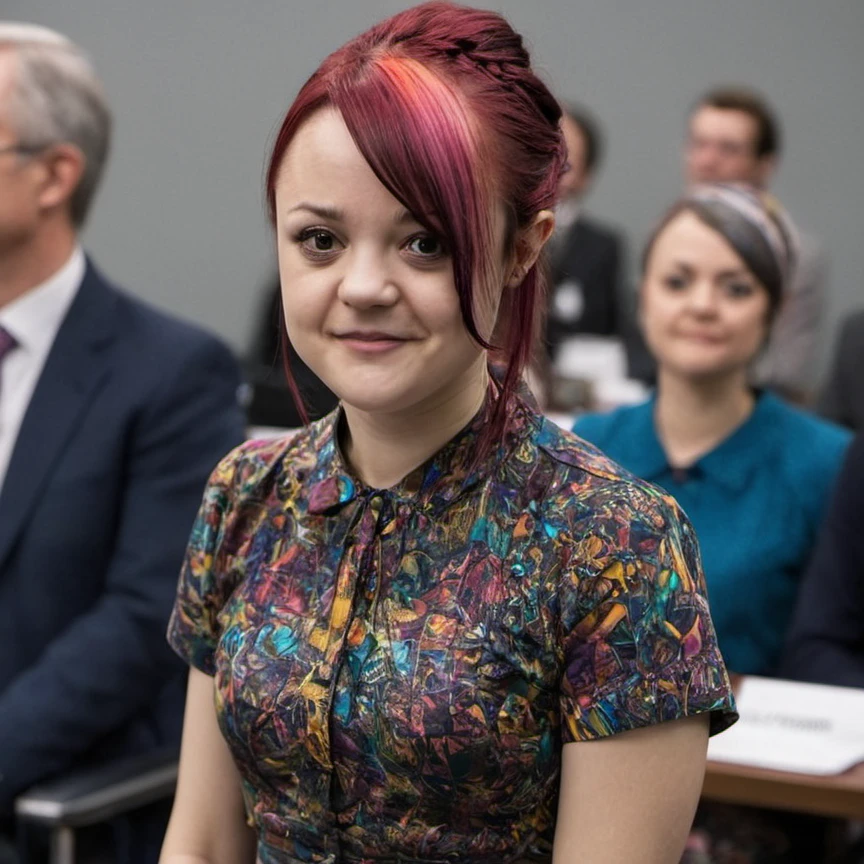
57	98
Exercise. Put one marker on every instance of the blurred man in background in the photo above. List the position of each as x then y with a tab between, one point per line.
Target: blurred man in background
842	399
585	255
733	136
826	639
112	415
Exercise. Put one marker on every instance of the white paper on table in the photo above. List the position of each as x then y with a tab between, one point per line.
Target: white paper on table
592	358
789	726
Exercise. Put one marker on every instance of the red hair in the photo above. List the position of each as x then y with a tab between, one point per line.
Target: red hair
442	103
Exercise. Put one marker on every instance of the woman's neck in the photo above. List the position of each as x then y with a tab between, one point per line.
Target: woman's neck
692	416
383	448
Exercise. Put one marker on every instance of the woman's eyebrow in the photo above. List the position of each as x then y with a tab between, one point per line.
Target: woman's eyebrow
734	273
323	211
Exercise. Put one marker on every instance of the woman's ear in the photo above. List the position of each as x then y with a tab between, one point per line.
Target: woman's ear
529	243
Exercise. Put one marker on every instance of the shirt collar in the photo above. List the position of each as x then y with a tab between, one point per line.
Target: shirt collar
35	317
642	451
435	484
730	464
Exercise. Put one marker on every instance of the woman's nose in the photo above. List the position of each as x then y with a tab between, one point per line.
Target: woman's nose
366	281
703	298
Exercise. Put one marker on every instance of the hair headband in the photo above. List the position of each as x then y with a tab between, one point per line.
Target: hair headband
762	211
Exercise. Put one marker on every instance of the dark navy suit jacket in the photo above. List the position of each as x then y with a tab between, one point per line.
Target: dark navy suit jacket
588	256
843	398
131	413
826	640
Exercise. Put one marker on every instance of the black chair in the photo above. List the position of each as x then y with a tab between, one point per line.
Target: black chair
94	796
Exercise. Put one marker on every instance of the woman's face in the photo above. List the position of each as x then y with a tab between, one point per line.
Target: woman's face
704	314
369	296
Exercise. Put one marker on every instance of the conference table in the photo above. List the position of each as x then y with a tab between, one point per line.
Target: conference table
838	795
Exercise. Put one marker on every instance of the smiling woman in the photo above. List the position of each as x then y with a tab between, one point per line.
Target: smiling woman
439	628
370	298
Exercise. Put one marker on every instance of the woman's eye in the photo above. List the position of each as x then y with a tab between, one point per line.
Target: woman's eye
425	246
739	289
675	283
317	241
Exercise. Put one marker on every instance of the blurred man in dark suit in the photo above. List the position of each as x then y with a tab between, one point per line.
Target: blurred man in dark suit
826	639
585	255
842	400
112	415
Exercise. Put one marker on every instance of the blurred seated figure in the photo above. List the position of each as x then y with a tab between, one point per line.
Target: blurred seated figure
112	416
585	256
270	401
826	640
734	136
842	400
752	472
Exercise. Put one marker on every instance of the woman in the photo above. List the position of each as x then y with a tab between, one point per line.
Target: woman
422	612
752	472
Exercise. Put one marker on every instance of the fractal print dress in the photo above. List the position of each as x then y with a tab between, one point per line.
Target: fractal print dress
397	670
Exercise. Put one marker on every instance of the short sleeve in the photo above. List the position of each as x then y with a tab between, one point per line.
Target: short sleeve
638	643
204	585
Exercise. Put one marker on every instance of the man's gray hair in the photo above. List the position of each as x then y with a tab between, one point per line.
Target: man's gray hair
57	98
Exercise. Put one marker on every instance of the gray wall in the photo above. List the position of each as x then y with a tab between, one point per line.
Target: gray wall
198	85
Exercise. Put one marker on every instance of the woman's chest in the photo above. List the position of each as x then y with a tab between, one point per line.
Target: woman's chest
446	630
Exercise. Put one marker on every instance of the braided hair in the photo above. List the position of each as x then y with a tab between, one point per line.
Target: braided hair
443	104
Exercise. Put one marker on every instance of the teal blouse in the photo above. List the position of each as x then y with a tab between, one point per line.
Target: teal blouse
756	502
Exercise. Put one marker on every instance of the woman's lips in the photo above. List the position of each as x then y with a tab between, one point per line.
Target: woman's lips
706	338
371	343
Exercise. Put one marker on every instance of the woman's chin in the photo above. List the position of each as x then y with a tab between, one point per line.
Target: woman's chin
374	401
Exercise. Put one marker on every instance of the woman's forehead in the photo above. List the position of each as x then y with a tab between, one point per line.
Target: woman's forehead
324	170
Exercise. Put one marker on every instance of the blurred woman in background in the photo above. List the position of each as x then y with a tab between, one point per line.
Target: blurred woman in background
752	472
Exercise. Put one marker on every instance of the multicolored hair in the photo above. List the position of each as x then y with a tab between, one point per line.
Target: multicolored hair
443	104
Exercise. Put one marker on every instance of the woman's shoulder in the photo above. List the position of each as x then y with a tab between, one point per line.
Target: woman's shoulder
258	462
812	444
590	482
810	451
601	428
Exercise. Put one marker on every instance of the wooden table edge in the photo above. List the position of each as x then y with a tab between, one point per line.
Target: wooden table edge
840	795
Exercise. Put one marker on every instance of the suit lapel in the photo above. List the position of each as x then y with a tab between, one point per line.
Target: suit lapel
75	369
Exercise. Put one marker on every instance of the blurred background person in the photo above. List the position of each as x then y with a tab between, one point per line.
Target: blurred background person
751	471
585	256
734	136
826	640
842	399
589	327
112	415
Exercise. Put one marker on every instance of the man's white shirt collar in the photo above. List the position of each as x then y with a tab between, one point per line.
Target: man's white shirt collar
34	318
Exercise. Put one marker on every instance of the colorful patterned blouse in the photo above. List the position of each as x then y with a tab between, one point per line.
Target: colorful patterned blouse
397	670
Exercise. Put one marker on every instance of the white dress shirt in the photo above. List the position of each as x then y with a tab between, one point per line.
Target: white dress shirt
33	320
